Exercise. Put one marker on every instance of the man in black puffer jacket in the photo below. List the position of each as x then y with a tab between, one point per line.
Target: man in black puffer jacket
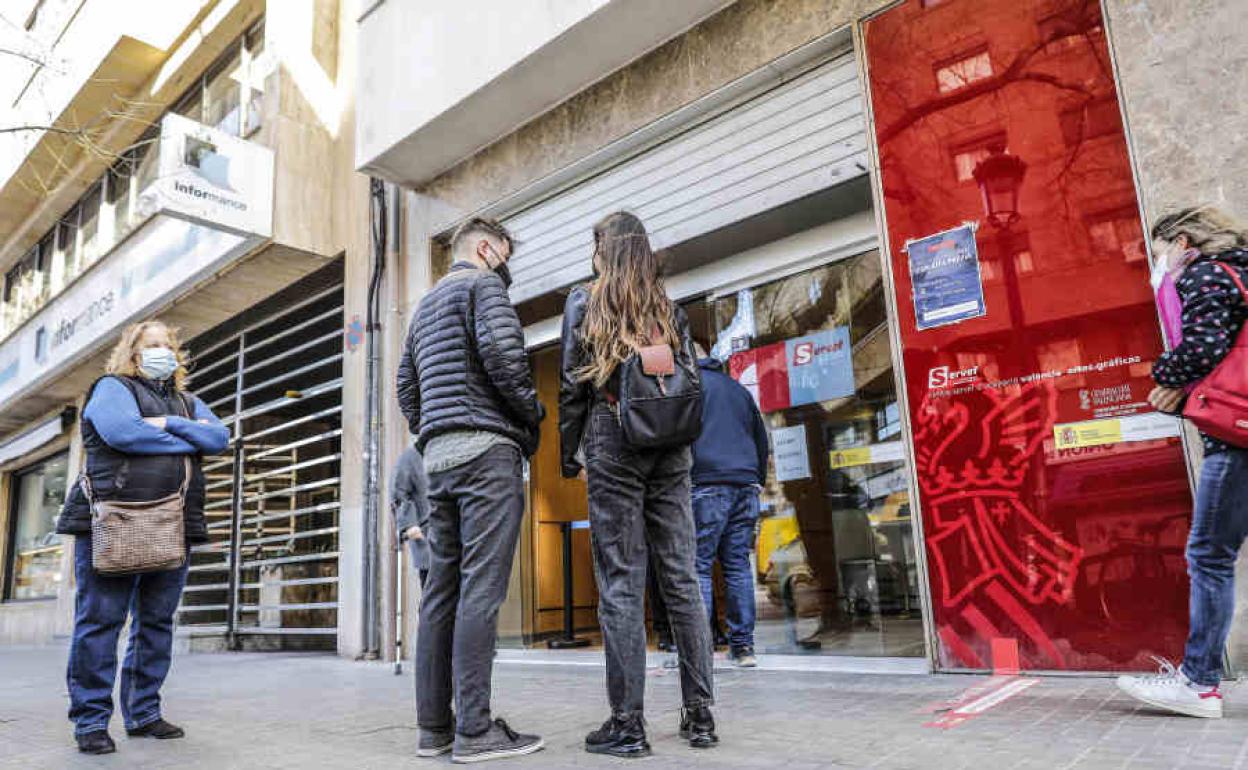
466	389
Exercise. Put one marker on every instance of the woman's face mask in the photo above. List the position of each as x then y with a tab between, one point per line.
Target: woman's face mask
157	363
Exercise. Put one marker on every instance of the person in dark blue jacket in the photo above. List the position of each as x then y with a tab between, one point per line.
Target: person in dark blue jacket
143	432
729	469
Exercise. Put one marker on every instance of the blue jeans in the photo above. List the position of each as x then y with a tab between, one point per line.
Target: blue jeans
100	609
1219	526
726	516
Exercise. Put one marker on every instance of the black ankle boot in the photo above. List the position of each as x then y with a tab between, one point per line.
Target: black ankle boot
698	727
620	736
96	742
160	729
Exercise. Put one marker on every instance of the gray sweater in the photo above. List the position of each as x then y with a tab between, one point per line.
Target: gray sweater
409	502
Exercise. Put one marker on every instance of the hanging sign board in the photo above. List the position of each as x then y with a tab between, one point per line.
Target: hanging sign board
944	271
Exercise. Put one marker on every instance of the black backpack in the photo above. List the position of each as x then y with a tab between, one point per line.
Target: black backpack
660	398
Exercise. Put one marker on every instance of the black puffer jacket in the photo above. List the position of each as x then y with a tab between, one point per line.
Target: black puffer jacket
576	397
464	366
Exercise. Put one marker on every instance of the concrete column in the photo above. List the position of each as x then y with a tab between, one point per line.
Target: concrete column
64	623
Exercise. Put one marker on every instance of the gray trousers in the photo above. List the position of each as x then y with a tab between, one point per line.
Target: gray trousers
639	505
474	522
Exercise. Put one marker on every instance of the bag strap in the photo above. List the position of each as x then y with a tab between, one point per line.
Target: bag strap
186	477
85	482
1234	274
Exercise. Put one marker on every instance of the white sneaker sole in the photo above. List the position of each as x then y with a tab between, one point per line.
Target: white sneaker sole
1188	711
486	756
426	753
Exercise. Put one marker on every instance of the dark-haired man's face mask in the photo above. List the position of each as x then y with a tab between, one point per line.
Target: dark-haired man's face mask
498	264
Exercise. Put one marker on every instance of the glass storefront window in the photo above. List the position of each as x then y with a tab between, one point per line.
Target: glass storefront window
257	70
223	95
89	224
67	242
119	178
835	565
35	561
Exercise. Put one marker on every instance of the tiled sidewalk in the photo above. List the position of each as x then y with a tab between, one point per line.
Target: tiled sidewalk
313	711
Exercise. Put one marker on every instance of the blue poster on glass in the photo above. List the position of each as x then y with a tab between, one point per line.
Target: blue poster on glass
944	270
821	366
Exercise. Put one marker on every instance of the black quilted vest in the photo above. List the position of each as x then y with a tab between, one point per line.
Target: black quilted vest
118	476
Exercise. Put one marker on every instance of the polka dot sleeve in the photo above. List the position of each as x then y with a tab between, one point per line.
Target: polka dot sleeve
1213	312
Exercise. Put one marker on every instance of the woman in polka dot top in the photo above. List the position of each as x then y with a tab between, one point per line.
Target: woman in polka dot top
1189	245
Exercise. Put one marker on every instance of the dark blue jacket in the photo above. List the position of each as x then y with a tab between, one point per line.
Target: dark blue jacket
733	446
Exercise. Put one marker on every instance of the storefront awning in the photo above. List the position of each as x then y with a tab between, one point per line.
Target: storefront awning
32	439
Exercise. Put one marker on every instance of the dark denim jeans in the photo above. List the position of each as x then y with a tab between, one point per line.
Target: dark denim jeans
726	516
1219	526
101	605
638	508
474	523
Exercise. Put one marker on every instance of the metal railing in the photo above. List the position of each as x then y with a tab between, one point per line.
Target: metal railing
272	505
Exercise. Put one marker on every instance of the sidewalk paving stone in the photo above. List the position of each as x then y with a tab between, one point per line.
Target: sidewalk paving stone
318	711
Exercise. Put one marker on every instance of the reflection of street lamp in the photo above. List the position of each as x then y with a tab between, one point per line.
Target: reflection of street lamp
1000	176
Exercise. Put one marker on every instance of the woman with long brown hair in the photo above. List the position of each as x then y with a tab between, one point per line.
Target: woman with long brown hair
639	499
143	434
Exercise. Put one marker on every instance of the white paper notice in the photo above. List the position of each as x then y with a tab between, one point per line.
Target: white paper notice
792	461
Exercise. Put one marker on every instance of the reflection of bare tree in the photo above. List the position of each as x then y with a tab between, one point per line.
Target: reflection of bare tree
1080	19
66	141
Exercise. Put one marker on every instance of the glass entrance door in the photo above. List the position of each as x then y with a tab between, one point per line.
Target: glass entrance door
835	568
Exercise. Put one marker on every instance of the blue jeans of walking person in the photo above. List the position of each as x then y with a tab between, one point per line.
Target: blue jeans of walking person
1219	526
102	604
726	516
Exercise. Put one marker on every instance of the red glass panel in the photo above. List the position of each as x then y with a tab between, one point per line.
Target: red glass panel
1075	552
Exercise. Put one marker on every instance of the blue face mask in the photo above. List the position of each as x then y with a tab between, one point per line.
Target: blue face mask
157	363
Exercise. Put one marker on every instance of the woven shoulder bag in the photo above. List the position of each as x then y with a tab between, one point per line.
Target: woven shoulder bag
129	537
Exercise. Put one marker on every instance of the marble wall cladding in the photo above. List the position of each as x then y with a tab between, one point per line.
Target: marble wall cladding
1183	76
730	44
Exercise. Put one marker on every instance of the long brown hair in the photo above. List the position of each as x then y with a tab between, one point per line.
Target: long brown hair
626	301
124	360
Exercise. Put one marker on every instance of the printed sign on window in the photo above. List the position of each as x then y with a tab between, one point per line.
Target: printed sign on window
944	270
789	450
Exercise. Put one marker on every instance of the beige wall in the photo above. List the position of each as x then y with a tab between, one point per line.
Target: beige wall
1183	70
727	46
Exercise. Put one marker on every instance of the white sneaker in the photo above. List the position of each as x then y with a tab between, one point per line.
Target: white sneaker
743	658
1170	689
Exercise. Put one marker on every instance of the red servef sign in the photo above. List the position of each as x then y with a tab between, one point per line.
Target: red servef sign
943	377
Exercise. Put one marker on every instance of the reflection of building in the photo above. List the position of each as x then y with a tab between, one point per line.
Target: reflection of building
191	177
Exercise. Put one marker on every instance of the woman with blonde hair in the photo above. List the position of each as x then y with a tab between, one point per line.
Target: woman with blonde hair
143	432
1200	274
639	498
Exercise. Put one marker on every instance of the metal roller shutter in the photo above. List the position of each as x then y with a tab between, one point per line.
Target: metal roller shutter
801	137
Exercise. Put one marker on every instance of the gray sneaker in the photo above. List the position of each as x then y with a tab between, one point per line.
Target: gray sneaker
435	743
498	742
